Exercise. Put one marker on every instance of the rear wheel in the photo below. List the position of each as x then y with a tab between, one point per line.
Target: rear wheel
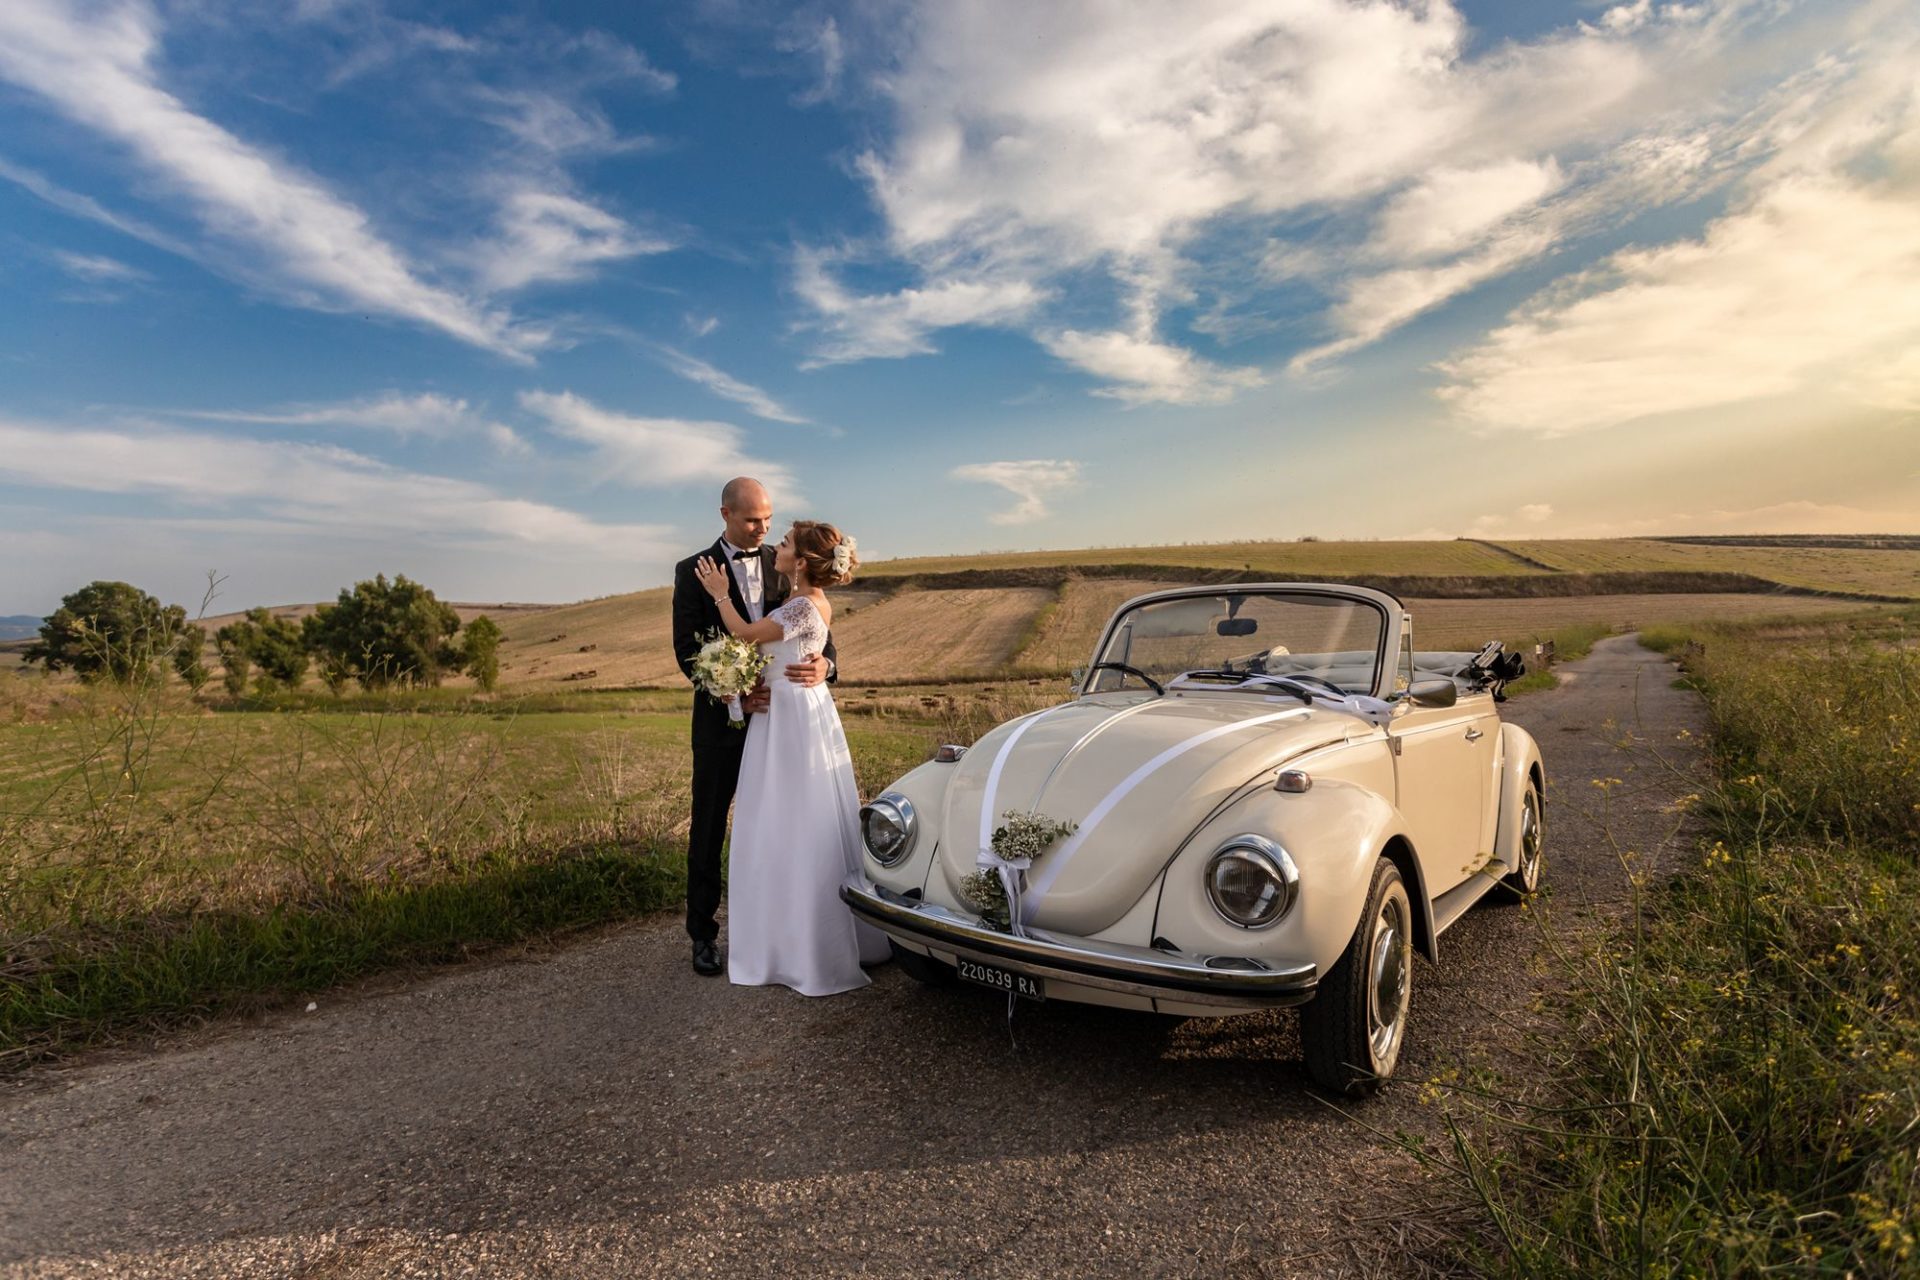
922	968
1524	880
1353	1028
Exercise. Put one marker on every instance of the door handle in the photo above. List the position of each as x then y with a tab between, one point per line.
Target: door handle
1474	735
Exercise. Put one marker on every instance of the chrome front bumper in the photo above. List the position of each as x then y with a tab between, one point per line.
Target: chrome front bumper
1228	982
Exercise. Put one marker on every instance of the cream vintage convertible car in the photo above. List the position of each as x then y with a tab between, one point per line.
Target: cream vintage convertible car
1261	795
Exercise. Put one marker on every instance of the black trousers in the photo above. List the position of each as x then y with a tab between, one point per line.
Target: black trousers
716	773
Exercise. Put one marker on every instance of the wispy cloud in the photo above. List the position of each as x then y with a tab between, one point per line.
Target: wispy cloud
724	385
288	484
853	326
1140	370
1032	482
546	236
655	453
98	70
422	414
98	269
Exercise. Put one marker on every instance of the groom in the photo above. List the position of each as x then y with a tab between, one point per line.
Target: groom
757	589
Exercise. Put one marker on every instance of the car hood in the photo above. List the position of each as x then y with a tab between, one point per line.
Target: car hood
1137	776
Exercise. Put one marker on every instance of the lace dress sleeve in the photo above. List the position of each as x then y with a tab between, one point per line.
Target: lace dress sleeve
799	620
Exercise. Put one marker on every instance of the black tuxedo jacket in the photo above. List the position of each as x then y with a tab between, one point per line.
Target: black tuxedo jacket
695	615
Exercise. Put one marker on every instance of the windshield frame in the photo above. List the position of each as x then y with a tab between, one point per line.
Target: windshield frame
1391	612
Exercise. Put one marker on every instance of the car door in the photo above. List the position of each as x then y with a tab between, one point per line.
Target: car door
1442	770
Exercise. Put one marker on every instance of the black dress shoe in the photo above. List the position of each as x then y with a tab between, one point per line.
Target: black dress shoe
706	959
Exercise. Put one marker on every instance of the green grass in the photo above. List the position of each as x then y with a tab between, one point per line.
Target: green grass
1738	1089
161	863
1569	643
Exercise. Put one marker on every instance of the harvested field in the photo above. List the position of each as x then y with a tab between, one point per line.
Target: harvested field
1842	569
1468	624
1071	632
1278	559
1067	638
500	613
624	640
933	635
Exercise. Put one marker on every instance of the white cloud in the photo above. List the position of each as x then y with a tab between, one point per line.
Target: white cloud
546	236
288	484
423	414
1808	286
1375	150
824	43
96	269
863	326
1032	482
724	385
1142	370
97	69
656	452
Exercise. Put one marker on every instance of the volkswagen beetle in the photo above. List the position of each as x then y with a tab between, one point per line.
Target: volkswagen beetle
1260	795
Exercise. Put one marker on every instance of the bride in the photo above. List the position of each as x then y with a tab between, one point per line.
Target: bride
796	823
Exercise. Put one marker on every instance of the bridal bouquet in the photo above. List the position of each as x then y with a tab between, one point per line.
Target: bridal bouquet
727	668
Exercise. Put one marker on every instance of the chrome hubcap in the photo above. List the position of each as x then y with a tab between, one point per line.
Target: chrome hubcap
1531	840
1391	959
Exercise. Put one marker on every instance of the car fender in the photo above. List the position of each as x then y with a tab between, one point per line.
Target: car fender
1334	832
926	789
1520	768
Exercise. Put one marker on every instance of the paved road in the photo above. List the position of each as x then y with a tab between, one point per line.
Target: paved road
601	1111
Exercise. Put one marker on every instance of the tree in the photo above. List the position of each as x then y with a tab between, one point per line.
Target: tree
480	651
275	645
383	633
187	653
110	629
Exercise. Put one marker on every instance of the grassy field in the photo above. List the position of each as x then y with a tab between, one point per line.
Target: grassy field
1737	1087
1283	560
1843	569
163	862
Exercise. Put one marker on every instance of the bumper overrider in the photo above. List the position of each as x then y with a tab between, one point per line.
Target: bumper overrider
1230	982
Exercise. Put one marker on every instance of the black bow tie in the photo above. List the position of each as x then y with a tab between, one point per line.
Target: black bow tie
742	555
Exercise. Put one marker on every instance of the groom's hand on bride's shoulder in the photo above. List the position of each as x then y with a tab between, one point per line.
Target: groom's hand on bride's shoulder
813	671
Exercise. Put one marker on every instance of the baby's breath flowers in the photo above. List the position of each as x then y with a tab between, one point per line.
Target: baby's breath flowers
1017	842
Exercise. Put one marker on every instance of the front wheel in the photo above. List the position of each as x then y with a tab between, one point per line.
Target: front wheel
1353	1027
1524	880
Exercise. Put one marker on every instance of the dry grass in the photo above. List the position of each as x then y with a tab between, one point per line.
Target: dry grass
1872	572
1302	560
467	611
935	635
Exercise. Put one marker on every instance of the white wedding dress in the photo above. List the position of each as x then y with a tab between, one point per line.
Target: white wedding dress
796	834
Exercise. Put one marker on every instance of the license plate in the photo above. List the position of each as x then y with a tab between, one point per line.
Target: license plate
988	975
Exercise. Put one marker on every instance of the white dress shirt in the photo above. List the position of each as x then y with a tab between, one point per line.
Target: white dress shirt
746	572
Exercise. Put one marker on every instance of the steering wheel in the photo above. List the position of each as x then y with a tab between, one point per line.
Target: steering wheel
1132	671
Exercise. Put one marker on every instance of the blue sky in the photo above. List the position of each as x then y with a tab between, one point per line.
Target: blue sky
497	296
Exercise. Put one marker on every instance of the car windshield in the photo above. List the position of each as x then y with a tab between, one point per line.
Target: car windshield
1329	638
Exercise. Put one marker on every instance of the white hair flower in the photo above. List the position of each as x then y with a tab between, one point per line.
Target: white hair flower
843	555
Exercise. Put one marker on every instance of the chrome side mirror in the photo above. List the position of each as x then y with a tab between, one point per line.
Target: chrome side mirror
1433	693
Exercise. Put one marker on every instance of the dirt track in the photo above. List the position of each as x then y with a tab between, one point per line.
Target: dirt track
603	1111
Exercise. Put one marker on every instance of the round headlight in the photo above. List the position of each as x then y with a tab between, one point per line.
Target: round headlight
1251	881
887	828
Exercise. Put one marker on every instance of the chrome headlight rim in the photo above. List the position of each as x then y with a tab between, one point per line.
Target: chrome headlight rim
1268	857
899	810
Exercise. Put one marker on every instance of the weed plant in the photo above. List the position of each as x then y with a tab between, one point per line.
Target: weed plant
1742	1092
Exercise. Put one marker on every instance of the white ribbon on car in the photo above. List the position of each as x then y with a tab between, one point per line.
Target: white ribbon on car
1011	871
1058	859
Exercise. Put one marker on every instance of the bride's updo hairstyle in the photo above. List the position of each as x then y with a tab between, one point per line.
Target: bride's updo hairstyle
815	543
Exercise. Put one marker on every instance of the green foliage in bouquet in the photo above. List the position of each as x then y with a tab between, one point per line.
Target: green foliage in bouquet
1019	836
